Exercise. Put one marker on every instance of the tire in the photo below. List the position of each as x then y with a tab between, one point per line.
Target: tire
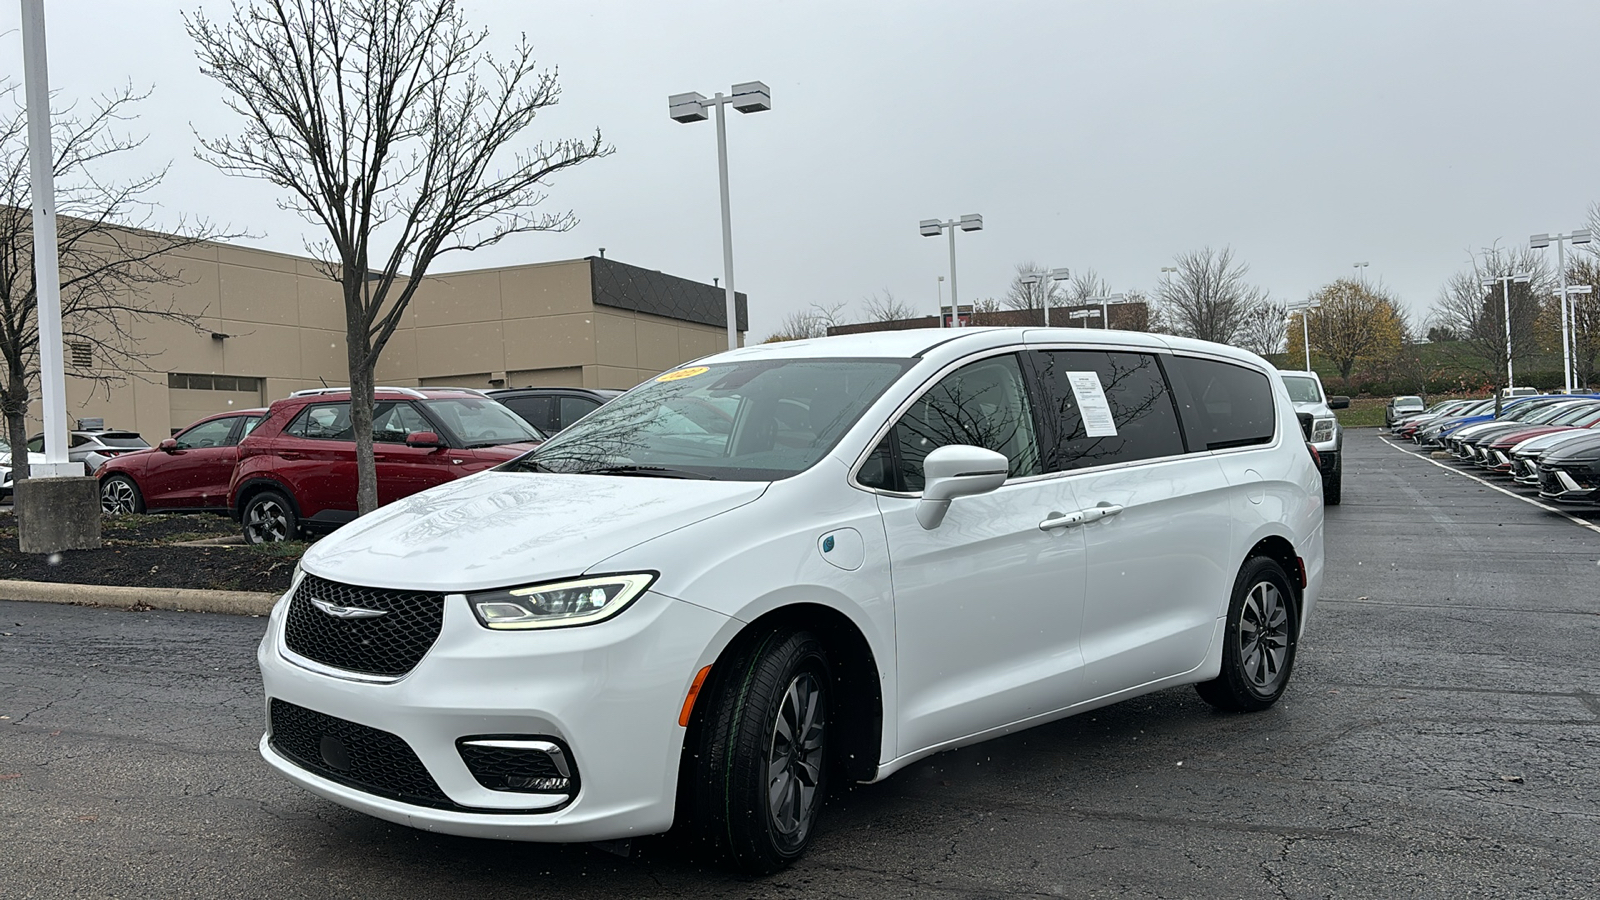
1259	642
120	496
269	518
1333	484
771	690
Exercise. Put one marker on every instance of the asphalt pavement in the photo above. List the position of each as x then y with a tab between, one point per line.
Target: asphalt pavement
1440	739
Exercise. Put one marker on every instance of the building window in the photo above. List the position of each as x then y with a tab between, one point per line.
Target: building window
81	353
213	382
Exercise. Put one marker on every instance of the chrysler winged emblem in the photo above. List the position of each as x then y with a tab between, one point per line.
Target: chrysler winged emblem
347	612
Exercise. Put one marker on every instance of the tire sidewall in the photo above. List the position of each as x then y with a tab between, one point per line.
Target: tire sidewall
1247	695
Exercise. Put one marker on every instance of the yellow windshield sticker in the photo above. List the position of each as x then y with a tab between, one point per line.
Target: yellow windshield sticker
690	372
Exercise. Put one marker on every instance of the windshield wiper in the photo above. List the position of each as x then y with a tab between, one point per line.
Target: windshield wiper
476	444
644	472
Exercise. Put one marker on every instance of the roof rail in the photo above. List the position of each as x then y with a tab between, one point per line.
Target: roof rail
479	391
409	392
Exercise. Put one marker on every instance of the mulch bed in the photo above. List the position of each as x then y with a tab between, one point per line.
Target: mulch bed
140	551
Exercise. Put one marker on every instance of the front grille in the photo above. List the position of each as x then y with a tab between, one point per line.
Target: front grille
364	758
520	769
390	644
1548	482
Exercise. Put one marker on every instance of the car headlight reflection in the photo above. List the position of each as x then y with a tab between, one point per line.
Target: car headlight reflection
1322	430
558	604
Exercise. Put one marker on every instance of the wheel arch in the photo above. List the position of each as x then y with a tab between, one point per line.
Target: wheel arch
857	678
256	485
1279	549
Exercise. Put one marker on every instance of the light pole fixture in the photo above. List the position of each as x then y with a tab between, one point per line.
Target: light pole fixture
1106	303
1304	309
1083	314
932	228
1539	242
1046	279
1506	279
1572	371
1361	277
747	97
939	287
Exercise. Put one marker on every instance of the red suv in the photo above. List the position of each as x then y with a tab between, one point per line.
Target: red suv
297	469
186	472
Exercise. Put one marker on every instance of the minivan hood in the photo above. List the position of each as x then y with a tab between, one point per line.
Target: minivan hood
500	529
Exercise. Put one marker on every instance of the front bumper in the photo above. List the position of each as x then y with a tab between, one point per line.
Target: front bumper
611	692
1561	486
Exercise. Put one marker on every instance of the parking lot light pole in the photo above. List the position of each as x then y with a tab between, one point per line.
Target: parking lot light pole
1084	314
939	286
1046	279
1566	348
932	228
1538	242
1505	280
1304	310
1106	303
748	97
1361	277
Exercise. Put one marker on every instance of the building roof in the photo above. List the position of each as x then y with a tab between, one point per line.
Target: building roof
622	286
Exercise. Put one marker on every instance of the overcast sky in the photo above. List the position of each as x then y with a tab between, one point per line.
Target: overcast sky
1111	135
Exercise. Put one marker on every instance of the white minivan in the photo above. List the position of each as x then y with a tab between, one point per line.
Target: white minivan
798	562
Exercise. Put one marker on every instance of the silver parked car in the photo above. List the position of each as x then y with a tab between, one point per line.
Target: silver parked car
93	448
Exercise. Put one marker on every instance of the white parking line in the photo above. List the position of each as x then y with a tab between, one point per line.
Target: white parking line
1581	523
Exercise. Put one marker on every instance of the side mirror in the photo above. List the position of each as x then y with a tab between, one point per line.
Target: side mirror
1338	402
958	470
170	445
423	439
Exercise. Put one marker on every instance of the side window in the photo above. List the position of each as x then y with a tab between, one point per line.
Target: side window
323	421
393	421
984	404
207	434
36	445
1223	405
1143	416
250	423
76	440
538	411
574	408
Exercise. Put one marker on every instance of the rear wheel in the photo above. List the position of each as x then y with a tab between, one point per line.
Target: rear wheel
763	752
1333	482
269	518
119	496
1259	643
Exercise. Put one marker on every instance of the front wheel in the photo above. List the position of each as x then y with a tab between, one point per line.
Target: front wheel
763	752
269	518
119	496
1259	643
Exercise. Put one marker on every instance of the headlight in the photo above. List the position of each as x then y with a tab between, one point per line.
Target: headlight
580	602
1322	430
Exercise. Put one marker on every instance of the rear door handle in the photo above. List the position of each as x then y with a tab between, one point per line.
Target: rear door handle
1061	520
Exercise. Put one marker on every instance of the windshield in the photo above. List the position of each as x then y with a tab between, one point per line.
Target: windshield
1408	402
758	420
1302	389
1573	413
481	422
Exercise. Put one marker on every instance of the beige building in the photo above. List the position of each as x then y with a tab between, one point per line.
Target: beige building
270	324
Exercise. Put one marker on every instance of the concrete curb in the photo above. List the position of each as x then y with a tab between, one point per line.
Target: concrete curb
236	603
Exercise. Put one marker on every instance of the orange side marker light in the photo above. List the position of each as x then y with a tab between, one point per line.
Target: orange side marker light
694	691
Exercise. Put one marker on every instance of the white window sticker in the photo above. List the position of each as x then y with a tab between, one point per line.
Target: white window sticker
1092	405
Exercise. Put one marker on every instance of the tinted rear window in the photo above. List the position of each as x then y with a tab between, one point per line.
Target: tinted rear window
1223	405
122	439
1136	392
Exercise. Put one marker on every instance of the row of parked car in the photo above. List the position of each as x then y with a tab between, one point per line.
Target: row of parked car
1549	443
291	467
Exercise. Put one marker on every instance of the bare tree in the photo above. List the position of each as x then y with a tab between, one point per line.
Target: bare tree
885	308
1021	295
1265	328
385	122
811	322
1209	298
1085	285
111	267
1475	313
1585	323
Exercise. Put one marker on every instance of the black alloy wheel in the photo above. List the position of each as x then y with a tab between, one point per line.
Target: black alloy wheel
269	518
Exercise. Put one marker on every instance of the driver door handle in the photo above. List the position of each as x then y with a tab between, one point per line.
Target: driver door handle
1061	520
